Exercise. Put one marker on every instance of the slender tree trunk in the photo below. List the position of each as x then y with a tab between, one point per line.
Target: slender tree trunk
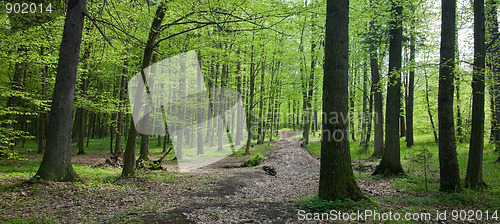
352	96
494	53
239	112
250	103
391	161
260	139
364	114
129	154
310	89
336	181
56	161
448	163
43	114
121	106
378	116
411	91
474	175
429	108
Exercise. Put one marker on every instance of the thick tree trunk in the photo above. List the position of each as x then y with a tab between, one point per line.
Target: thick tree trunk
391	161
448	163
336	180
474	175
56	161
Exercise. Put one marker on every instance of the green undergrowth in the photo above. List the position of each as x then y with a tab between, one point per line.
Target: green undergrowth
411	193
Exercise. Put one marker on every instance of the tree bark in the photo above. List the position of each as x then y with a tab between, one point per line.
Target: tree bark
121	106
494	54
129	154
83	112
336	180
250	103
378	116
56	161
474	175
411	91
391	161
448	163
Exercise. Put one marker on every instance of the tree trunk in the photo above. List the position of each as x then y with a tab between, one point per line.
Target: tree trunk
250	103
83	113
260	139
352	96
129	154
494	54
391	161
56	161
43	115
474	175
411	91
448	163
429	108
121	106
239	113
336	180
378	116
364	114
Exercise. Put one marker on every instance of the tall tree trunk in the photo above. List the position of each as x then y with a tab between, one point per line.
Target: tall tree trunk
129	154
474	175
411	91
239	112
352	96
250	103
494	53
378	116
260	139
448	164
121	106
402	127
83	112
364	114
391	161
43	115
56	161
336	181
310	89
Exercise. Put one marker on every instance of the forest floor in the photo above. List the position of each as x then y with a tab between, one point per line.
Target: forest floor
223	192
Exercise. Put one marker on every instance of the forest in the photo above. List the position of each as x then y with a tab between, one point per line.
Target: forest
261	111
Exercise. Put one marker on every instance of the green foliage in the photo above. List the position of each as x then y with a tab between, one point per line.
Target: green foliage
253	161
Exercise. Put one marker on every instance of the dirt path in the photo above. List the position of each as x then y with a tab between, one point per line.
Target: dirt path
249	195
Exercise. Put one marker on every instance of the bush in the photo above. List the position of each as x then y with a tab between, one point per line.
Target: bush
253	161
